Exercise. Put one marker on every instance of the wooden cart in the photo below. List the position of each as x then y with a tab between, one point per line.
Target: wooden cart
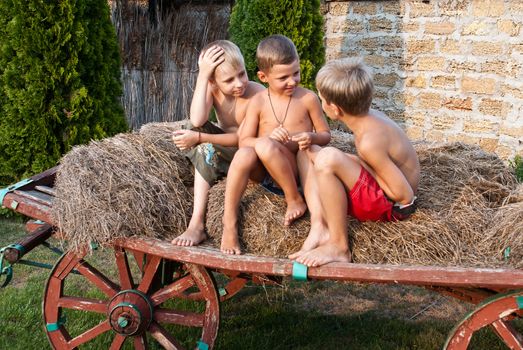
139	305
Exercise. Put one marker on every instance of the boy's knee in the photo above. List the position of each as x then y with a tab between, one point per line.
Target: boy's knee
327	159
245	157
265	147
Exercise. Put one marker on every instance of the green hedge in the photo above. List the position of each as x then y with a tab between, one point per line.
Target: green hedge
59	81
300	20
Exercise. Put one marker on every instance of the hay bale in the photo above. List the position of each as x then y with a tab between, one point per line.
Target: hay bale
129	184
461	189
261	222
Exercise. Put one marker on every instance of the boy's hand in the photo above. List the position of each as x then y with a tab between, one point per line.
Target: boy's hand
185	139
281	135
304	140
209	60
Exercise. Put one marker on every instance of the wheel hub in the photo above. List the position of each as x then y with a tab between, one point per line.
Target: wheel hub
130	312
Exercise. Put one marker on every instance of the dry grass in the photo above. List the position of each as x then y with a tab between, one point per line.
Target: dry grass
470	210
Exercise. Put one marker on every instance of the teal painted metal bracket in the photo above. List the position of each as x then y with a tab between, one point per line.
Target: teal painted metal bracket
5	191
200	345
299	272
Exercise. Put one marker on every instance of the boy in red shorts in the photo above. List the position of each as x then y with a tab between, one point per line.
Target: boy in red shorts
378	184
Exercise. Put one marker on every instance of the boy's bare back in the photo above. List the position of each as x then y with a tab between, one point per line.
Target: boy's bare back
388	154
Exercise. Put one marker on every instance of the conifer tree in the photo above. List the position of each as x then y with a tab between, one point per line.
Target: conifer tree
300	20
59	81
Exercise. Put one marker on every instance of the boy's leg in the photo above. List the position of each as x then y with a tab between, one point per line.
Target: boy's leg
281	165
319	232
245	164
336	174
195	232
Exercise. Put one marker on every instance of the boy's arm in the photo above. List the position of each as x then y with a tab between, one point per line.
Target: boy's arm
202	100
248	130
321	135
390	178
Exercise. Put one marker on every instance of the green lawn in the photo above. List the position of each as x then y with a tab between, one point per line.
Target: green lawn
313	315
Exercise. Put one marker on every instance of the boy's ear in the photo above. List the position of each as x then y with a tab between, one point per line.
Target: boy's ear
338	112
262	76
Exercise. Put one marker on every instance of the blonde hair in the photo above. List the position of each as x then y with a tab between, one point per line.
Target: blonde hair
231	53
347	83
273	50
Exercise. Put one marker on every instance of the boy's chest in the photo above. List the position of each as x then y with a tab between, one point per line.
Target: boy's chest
230	114
295	119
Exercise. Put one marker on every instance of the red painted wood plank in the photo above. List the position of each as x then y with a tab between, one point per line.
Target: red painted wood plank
401	274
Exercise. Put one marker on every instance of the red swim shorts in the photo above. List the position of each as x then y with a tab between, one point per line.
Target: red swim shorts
367	201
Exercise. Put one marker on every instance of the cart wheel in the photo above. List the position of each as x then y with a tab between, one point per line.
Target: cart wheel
496	312
122	305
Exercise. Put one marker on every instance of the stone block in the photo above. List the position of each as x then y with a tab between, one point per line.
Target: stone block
431	63
486	48
488	8
443	82
418	81
478	86
339	8
430	100
440	28
420	9
493	107
415	46
450	46
481	126
509	27
464	104
364	8
479	28
381	24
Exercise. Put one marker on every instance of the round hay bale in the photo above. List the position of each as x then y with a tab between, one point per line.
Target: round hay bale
121	186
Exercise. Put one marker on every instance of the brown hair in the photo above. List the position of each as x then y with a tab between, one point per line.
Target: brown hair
347	83
231	53
275	49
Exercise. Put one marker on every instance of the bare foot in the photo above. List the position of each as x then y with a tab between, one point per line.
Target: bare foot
295	210
318	235
191	236
323	254
230	242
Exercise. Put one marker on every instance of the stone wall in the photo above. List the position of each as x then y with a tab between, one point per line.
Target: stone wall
446	70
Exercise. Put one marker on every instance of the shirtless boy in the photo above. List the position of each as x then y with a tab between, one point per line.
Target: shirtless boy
378	184
279	121
222	84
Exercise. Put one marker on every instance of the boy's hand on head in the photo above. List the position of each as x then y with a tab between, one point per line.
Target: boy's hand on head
304	140
209	60
280	134
185	139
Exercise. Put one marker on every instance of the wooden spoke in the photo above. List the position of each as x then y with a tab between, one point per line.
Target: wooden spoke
508	334
149	272
494	313
172	290
108	287
183	318
126	279
117	342
140	342
83	304
90	334
164	338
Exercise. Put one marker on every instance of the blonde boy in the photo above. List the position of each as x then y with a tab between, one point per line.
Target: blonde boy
279	121
222	84
378	184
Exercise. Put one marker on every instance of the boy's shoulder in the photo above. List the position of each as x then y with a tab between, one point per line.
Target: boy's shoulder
253	88
305	94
